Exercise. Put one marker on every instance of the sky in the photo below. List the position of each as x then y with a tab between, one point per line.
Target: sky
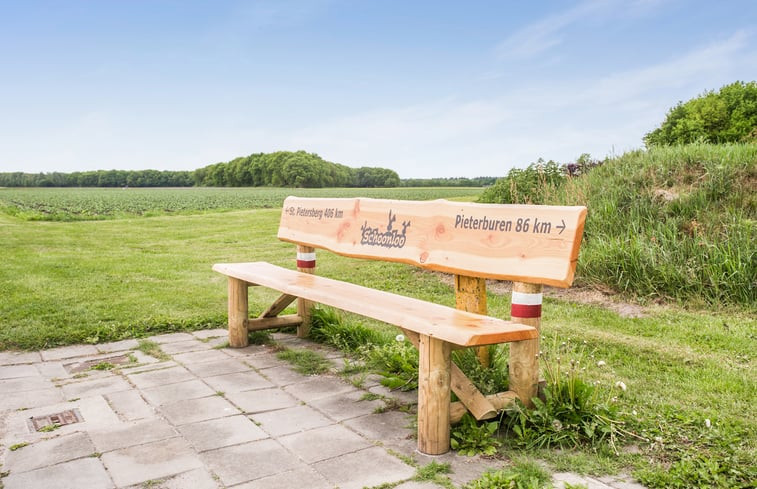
426	88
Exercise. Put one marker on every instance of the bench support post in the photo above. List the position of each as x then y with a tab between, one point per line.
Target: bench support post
305	264
433	396
470	296
237	313
524	355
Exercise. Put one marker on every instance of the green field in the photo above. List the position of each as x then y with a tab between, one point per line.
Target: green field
91	281
87	204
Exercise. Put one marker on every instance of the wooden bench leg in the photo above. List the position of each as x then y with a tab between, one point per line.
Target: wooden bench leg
238	313
433	396
305	264
524	355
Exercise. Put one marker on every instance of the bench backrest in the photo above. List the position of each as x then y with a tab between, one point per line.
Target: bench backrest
524	243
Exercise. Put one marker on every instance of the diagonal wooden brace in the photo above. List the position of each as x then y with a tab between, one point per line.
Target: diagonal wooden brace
464	389
278	305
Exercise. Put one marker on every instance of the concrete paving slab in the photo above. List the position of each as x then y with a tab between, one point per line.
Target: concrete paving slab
263	400
216	343
68	352
184	346
323	443
95	411
17	371
194	479
246	352
222	432
171	393
346	406
52	370
217	367
18	357
28	399
130	406
131	434
97	387
22	384
114	346
141	358
211	333
318	387
300	477
165	376
201	356
391	426
195	410
77	474
369	467
561	478
250	461
263	360
152	365
238	382
283	375
291	420
405	397
50	452
171	338
142	463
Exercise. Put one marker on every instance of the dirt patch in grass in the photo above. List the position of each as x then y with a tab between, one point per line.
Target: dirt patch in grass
582	295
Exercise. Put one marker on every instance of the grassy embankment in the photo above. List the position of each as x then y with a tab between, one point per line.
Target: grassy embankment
97	281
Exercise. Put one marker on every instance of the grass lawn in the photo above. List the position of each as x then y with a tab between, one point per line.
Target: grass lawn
96	281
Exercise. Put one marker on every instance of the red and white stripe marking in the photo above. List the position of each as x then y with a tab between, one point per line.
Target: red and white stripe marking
305	260
526	305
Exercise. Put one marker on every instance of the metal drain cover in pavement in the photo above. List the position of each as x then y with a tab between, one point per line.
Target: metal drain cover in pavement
110	362
69	416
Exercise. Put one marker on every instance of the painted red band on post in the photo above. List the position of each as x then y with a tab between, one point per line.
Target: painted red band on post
305	263
525	311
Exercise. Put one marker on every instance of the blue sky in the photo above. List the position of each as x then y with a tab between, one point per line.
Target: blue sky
427	88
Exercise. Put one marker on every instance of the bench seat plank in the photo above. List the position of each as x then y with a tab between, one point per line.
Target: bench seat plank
434	320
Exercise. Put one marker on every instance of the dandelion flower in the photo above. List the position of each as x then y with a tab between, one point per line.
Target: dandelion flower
620	385
400	337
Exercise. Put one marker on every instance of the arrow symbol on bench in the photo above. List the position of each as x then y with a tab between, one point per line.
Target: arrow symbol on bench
561	228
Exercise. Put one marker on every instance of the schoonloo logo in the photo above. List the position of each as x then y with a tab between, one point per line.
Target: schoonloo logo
391	238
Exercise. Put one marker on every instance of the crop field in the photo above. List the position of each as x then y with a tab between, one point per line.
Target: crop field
87	204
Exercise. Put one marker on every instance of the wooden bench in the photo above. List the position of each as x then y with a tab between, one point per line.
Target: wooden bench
529	245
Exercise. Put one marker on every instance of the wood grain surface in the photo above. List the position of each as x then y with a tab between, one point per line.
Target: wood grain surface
535	244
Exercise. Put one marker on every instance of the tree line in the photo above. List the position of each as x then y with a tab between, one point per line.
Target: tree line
279	169
291	169
99	178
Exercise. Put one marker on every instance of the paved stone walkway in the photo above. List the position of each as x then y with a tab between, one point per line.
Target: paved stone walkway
209	417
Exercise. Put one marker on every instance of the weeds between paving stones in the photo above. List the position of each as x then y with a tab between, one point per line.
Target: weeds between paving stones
306	362
151	348
523	475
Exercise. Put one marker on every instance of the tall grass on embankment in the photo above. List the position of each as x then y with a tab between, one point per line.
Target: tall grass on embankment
667	223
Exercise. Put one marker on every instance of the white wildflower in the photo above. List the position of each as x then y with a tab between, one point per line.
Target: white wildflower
400	338
634	412
620	385
708	423
601	363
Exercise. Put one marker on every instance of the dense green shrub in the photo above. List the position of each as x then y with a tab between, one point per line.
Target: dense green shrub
726	116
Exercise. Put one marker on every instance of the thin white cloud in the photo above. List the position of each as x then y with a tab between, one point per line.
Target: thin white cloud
560	121
538	37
